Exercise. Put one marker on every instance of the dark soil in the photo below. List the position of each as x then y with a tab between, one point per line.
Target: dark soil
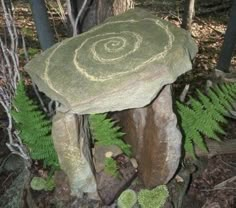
215	184
210	187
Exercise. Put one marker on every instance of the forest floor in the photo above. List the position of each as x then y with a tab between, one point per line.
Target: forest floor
213	184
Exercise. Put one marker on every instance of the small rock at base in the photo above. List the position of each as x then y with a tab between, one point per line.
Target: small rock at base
134	162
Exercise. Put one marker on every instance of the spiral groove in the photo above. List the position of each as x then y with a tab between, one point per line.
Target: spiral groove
113	49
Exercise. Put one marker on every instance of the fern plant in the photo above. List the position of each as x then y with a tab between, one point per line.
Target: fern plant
34	128
105	132
111	167
204	115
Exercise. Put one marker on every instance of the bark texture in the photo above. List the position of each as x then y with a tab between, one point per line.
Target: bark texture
188	14
97	11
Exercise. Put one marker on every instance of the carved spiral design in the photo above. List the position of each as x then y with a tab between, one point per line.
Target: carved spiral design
112	46
112	50
115	49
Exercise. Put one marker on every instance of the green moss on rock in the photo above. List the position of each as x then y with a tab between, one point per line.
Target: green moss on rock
154	198
127	199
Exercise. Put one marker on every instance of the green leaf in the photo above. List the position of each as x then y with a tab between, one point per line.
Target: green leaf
105	132
111	167
205	115
34	128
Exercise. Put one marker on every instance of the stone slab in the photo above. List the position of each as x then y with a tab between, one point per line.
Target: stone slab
118	65
155	139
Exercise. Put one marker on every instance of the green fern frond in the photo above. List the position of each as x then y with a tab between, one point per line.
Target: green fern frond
34	128
204	116
105	132
111	167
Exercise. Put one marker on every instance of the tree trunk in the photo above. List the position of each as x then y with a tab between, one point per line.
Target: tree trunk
188	14
97	11
107	8
120	6
229	42
44	30
104	10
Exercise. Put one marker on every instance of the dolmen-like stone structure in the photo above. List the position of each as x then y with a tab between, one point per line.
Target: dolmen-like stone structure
125	66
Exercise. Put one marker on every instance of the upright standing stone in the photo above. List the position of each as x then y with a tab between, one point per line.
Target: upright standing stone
118	65
155	138
71	142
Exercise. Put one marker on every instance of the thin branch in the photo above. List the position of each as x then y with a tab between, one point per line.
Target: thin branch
78	17
184	93
224	183
9	77
24	48
216	189
69	11
61	12
74	21
33	84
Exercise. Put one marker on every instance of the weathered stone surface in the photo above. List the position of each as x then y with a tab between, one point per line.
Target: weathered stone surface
13	163
121	64
17	194
154	137
109	187
100	155
71	142
62	189
118	65
134	162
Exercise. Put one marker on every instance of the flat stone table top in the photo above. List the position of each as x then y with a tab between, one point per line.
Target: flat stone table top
120	64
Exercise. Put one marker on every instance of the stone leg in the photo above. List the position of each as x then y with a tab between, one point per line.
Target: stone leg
155	138
71	140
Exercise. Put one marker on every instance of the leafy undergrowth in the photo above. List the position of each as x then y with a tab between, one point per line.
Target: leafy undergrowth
215	185
217	182
208	32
